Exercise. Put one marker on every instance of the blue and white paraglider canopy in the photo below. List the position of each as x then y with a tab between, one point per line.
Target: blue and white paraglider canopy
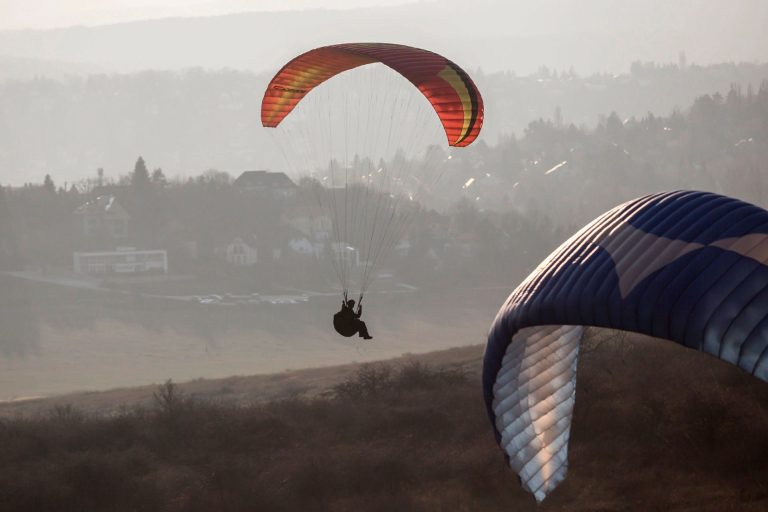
690	267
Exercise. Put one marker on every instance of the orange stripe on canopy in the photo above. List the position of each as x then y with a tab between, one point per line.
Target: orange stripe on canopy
448	88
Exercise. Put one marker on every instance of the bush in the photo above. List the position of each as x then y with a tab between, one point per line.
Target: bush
370	380
376	380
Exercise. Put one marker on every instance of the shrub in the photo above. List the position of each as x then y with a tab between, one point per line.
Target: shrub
369	380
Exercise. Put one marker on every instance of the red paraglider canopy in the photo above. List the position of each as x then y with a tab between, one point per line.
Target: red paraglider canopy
448	88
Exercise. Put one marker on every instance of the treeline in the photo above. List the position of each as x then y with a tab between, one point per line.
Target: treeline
193	120
526	195
570	174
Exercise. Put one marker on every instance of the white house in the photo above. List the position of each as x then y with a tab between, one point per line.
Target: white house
302	245
314	223
239	253
347	254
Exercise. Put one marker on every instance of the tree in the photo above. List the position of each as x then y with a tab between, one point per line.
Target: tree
7	242
5	212
613	127
158	178
48	184
140	176
558	117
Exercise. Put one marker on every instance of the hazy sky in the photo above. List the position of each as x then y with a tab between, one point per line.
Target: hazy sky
37	14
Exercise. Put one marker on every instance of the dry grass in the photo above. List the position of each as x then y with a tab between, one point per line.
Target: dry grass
655	428
241	389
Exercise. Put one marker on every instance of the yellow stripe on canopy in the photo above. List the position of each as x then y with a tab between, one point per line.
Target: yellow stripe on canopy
454	80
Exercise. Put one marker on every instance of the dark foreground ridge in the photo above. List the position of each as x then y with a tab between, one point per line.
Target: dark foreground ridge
656	427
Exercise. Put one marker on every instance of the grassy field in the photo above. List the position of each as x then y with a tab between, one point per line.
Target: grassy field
56	339
656	427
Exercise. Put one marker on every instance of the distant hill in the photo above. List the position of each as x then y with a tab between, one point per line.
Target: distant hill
22	69
189	121
521	36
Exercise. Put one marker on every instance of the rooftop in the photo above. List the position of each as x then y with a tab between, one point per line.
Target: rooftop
105	205
264	180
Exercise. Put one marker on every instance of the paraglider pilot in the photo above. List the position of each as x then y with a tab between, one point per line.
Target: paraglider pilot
347	322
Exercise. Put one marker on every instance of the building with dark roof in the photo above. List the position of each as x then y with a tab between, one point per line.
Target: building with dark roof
103	215
275	184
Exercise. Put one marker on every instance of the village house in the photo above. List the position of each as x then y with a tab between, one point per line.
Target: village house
103	216
313	222
273	184
104	224
346	254
240	252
